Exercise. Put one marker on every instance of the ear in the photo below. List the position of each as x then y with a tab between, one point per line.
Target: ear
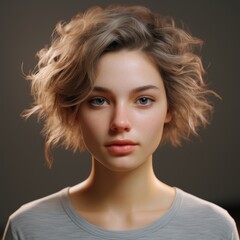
168	117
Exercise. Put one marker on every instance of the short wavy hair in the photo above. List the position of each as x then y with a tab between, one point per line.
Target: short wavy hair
65	73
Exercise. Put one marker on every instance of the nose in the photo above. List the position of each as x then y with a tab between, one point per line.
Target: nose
120	120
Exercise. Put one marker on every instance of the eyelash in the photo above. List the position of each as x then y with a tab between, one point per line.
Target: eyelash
146	98
103	100
93	101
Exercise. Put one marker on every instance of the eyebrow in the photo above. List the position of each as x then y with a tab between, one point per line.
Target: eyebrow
135	90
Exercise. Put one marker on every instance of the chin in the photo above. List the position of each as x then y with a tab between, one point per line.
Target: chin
122	164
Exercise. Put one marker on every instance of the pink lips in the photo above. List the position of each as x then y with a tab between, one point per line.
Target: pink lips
121	147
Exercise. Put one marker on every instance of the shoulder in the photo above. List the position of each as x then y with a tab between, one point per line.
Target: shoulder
205	215
201	207
50	203
39	212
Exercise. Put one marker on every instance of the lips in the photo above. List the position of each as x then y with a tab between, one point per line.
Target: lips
121	147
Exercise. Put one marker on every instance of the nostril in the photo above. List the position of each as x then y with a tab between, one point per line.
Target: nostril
120	126
120	121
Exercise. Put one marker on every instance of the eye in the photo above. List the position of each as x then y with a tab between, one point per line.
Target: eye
98	101
144	101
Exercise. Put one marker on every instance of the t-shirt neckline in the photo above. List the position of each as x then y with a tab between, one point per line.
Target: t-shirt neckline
110	234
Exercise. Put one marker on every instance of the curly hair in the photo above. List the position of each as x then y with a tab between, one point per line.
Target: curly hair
65	73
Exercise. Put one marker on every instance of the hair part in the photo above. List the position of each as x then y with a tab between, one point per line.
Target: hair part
66	71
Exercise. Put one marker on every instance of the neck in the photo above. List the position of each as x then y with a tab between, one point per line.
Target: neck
119	190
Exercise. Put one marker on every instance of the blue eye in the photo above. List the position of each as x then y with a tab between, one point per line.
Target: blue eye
98	101
144	101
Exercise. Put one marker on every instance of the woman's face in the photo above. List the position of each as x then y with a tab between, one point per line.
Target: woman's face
123	118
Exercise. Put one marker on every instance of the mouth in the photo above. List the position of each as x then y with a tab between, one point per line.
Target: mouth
121	147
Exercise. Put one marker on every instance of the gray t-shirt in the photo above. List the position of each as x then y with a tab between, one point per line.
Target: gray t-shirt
53	217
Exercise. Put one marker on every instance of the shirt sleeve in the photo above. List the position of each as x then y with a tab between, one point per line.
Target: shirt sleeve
8	233
235	235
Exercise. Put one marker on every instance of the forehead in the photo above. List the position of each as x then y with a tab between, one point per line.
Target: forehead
127	69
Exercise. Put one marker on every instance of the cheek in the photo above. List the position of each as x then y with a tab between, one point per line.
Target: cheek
92	128
155	129
89	135
152	128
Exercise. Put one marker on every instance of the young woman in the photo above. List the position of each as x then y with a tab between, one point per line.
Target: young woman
118	82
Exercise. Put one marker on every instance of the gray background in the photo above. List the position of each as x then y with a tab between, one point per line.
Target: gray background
207	166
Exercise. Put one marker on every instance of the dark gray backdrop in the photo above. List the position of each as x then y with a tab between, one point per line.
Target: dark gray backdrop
207	167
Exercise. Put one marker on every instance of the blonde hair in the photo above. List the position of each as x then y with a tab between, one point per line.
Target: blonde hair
66	71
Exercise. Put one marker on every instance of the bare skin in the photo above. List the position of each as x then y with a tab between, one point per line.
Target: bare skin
127	201
129	102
